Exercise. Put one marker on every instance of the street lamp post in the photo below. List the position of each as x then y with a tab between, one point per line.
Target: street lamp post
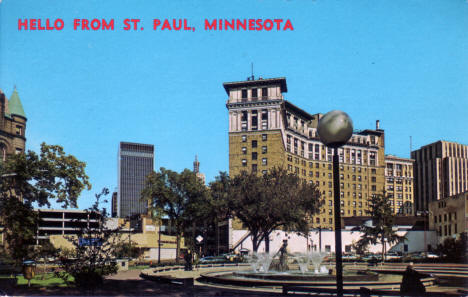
334	129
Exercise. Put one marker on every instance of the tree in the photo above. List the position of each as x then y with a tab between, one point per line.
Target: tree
94	249
39	178
276	199
125	249
177	196
218	204
381	230
29	178
454	249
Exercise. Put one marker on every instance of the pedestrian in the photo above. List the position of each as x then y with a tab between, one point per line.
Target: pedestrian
188	261
411	284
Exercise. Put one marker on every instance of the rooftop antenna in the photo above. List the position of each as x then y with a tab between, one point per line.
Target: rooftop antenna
410	144
251	66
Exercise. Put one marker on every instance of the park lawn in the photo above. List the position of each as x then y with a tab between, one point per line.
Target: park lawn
137	267
50	280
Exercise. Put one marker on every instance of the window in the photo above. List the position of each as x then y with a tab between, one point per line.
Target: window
264	137
244	94
254	168
264	149
244	162
19	130
264	92
244	150
254	93
244	138
254	143
264	161
254	155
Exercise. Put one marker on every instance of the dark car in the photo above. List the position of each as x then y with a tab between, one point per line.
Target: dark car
212	260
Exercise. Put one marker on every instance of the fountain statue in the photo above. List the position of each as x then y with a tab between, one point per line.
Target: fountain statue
283	258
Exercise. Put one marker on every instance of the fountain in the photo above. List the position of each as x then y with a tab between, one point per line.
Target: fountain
283	268
316	258
260	262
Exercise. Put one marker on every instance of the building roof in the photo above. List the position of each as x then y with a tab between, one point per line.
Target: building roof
14	105
396	158
289	106
259	82
412	222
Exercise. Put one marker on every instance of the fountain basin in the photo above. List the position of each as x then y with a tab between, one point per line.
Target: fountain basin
292	278
296	275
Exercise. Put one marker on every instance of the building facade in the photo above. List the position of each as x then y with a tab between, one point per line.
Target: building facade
399	184
12	125
135	162
449	216
441	170
266	130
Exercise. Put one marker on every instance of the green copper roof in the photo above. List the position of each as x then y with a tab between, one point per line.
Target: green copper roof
15	106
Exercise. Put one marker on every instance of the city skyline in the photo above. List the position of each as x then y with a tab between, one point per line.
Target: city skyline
88	91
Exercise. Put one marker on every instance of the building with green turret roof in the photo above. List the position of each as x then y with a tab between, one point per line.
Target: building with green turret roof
12	125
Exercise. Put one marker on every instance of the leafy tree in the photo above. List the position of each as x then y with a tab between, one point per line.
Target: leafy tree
126	249
94	249
39	178
454	249
20	223
30	178
381	230
218	202
178	196
276	199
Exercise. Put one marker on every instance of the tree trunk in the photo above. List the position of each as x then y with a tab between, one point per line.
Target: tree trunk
255	242
177	248
217	236
383	250
267	242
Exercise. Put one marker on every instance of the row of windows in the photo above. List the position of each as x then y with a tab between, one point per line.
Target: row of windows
254	154
448	230
254	93
254	142
264	162
448	216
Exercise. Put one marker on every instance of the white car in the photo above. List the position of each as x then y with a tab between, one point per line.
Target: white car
432	256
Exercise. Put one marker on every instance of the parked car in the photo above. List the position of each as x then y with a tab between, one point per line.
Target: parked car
3	294
349	257
432	256
231	257
212	260
393	256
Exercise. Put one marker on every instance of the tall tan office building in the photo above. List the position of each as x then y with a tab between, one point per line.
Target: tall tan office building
441	170
399	184
266	130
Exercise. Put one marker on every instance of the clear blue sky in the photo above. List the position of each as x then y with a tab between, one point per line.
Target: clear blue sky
402	62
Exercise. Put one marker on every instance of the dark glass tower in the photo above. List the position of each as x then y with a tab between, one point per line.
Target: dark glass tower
135	163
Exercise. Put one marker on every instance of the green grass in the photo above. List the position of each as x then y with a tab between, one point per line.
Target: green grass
50	280
138	267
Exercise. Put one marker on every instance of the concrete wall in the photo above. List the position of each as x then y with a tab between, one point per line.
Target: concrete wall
166	254
297	243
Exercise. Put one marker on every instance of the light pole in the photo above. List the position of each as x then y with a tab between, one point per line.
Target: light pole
334	129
